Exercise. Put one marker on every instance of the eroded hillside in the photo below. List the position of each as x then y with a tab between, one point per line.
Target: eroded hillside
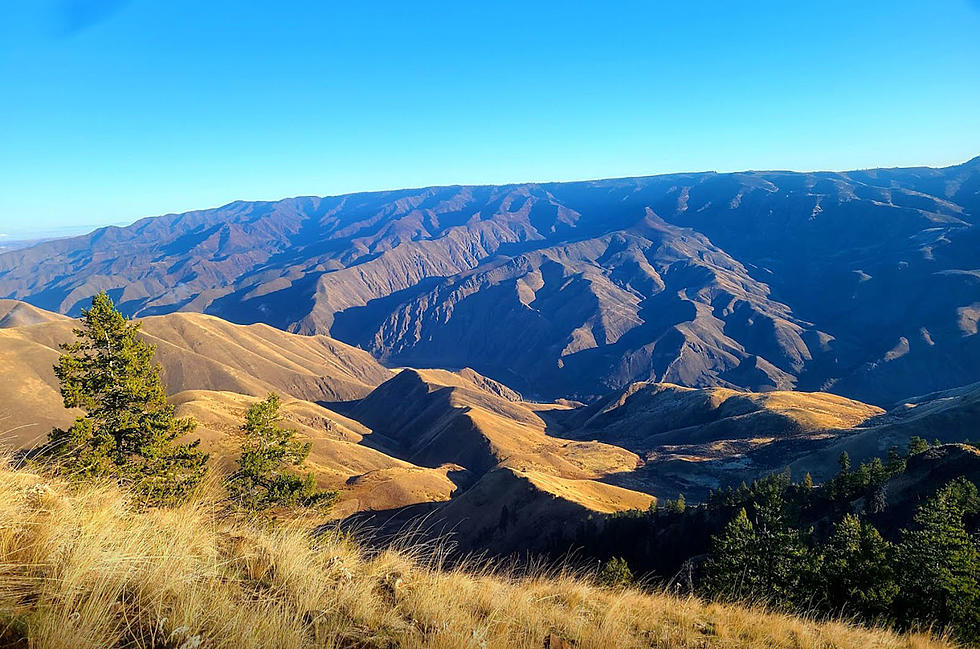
863	283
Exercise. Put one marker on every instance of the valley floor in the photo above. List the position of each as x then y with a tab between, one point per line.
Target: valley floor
80	568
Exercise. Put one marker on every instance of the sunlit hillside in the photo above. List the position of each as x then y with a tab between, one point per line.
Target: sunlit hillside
80	567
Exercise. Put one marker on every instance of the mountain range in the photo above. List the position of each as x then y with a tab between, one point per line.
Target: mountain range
464	452
508	362
865	283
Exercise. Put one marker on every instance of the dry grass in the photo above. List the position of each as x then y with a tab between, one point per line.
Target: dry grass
79	568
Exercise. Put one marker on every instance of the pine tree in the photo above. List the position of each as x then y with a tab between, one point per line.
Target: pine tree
895	463
263	480
877	473
856	573
877	501
732	570
808	481
786	563
839	487
917	445
128	431
764	558
939	564
615	573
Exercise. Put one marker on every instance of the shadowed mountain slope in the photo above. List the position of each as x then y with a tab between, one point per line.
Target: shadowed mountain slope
524	486
431	417
757	280
367	478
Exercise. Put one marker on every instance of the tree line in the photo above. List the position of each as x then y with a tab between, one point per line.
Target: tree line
812	549
929	577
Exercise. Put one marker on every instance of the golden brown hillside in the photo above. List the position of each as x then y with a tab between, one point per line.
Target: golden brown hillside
215	369
434	416
949	416
197	352
649	415
19	314
80	570
367	479
431	417
695	439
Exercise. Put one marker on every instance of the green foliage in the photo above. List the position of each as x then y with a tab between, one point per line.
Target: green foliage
263	480
732	569
128	431
615	573
768	486
931	578
856	572
676	507
939	564
763	558
895	463
866	481
917	445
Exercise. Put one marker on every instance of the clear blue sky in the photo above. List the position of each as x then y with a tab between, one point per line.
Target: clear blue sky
111	110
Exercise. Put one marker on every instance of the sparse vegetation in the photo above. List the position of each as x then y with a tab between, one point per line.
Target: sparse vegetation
129	429
263	479
80	569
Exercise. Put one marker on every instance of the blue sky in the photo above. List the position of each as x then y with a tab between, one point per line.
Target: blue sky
111	110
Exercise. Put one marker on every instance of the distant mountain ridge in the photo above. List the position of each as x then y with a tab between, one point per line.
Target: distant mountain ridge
864	283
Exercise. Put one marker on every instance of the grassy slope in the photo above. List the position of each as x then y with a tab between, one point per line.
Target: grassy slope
79	569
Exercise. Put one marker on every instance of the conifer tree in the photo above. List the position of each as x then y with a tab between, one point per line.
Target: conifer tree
787	564
263	479
732	570
856	572
895	463
128	431
840	486
877	501
808	481
939	564
764	558
917	445
615	573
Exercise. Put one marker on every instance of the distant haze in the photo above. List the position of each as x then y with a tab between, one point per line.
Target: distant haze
17	233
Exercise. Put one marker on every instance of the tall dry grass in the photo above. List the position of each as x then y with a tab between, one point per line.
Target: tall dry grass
81	568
